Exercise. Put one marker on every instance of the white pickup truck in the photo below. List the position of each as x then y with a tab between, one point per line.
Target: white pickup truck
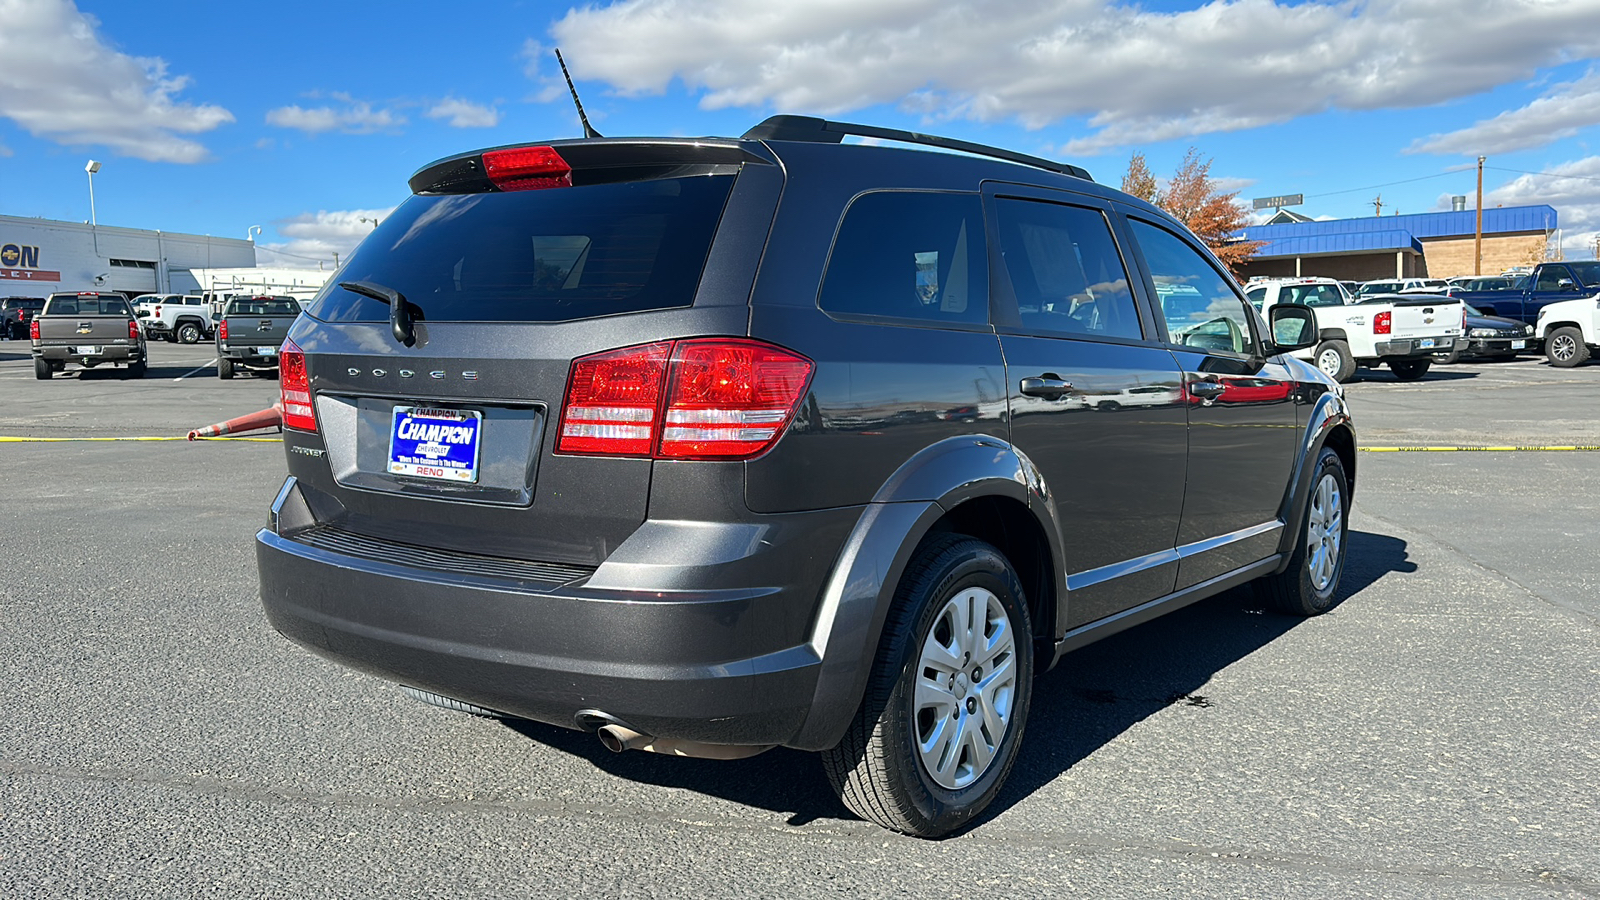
174	317
1400	331
1570	330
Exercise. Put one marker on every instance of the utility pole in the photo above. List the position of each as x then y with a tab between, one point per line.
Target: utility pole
1377	205
1477	240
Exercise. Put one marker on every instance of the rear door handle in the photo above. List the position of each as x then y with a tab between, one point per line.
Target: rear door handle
1048	387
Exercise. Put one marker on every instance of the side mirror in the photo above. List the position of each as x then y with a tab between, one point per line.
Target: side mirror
1566	284
1294	327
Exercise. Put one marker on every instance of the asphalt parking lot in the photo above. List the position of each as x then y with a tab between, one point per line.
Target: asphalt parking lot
1436	736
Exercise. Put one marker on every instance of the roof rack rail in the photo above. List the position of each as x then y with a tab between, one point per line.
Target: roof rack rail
822	131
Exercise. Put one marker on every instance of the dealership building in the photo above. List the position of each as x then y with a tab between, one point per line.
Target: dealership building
1431	245
40	256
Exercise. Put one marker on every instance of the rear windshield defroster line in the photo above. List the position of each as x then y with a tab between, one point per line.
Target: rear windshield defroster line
538	256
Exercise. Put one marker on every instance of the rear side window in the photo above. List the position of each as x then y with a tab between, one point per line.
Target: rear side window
538	256
1065	270
910	255
1311	295
264	306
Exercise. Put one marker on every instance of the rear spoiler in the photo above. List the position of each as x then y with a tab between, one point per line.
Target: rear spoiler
596	161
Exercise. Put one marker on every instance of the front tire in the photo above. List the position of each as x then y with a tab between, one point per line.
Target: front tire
1564	347
1410	369
939	727
1309	585
1334	359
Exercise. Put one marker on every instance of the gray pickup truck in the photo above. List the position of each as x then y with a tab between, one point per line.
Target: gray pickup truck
88	329
250	331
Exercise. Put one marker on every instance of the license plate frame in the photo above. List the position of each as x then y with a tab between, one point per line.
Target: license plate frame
1519	345
1425	343
266	351
86	350
435	444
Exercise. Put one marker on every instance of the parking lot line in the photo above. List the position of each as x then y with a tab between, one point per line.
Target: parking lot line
202	368
1535	449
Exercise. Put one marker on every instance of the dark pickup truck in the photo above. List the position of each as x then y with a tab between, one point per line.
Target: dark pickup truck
1549	283
88	329
250	331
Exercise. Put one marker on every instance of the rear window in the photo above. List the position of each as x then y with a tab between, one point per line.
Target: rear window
88	306
538	256
264	306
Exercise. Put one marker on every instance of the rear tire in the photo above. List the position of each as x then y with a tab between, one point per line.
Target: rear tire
224	368
1410	369
942	718
188	333
42	369
1334	359
1564	347
1309	585
137	370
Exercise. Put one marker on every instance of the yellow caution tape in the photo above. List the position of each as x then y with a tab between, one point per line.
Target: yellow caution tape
65	440
1543	449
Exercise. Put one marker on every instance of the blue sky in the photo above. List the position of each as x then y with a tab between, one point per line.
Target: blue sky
304	118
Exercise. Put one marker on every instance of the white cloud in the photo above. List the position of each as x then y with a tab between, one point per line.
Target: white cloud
1573	188
60	81
353	117
1135	75
463	114
5	151
1560	113
318	236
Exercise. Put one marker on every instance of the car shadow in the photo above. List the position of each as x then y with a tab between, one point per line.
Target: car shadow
1094	694
1435	373
8	354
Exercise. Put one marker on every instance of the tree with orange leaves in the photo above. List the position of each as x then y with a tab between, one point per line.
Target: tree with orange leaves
1193	199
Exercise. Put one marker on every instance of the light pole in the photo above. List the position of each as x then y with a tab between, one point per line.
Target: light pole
250	232
365	219
92	168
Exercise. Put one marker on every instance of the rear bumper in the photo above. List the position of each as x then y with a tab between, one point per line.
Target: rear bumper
720	665
111	353
1415	346
248	356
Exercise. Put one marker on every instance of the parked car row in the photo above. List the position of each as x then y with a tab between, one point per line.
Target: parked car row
93	328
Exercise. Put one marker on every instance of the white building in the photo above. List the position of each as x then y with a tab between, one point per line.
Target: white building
38	256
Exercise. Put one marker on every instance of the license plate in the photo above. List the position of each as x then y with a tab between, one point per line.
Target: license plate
1519	345
86	351
1425	343
441	444
266	351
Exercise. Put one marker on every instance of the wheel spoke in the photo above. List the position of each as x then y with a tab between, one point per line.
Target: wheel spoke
935	696
939	750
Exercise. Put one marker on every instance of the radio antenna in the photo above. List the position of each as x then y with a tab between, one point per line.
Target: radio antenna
588	130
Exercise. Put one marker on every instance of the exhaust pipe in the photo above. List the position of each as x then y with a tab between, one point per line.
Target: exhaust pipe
271	417
618	738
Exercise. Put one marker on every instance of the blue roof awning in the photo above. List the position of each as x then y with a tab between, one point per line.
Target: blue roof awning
1329	244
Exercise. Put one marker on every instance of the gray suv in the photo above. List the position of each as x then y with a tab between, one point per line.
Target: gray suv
713	445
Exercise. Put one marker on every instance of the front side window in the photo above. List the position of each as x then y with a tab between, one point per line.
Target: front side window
1200	308
1550	278
910	255
1065	270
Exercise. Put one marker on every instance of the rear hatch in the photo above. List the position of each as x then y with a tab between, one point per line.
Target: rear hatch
85	322
257	326
439	421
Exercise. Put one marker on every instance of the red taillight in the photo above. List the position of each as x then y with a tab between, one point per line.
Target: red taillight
1383	323
730	398
612	401
294	389
157	313
33	329
222	330
133	329
527	168
709	398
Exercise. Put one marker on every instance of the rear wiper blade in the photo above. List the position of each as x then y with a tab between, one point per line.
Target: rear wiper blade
402	312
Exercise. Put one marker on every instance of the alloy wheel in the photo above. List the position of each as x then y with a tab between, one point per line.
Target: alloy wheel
1324	532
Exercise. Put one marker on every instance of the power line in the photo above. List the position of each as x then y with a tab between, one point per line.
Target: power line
1388	184
1543	174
